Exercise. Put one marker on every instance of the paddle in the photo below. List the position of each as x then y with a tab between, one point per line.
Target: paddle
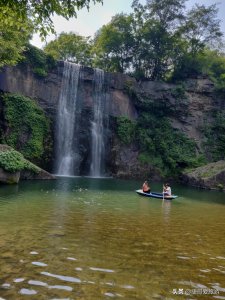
163	192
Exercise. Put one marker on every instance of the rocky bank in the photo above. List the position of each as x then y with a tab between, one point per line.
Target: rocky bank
210	176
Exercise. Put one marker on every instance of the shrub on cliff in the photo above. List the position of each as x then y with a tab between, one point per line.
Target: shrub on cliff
27	128
125	129
159	144
38	60
13	161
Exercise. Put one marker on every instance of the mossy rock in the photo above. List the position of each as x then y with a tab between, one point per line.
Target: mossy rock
210	176
13	166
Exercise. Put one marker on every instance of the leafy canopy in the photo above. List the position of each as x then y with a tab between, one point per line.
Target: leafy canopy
13	35
42	11
19	19
156	38
70	47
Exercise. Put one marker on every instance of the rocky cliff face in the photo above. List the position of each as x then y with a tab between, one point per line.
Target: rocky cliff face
46	91
189	107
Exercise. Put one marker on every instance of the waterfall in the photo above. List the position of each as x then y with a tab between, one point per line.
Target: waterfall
97	126
66	152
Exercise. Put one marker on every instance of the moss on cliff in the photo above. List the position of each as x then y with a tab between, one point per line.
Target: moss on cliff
26	128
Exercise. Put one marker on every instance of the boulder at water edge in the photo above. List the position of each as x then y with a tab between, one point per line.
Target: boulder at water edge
210	176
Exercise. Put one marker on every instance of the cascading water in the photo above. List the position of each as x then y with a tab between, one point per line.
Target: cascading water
66	153
97	130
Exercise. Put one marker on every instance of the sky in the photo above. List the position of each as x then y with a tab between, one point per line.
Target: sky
88	22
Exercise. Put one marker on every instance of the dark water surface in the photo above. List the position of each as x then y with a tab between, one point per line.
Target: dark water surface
93	239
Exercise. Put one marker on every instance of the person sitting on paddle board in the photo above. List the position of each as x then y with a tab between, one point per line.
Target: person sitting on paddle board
146	188
167	190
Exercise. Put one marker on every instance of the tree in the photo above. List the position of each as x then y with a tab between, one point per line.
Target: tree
20	18
167	38
113	44
13	36
201	28
168	12
41	11
155	34
199	31
70	47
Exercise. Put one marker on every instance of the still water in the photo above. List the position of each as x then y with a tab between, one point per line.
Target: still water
93	239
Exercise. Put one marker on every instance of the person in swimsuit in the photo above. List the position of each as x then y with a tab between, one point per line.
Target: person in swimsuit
146	187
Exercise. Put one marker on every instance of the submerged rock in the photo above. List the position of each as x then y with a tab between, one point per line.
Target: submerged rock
8	177
210	176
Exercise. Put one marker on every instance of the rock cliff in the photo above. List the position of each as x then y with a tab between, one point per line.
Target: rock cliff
189	106
46	91
210	176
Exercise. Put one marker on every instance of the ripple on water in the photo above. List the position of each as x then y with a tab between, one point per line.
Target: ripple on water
205	270
40	264
127	286
18	280
110	295
27	292
33	252
61	287
37	282
71	258
221	271
102	270
6	285
61	277
60	299
218	288
192	284
183	257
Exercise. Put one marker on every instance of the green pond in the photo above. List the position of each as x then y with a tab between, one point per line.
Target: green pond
93	239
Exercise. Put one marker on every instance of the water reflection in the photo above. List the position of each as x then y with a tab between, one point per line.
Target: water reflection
166	209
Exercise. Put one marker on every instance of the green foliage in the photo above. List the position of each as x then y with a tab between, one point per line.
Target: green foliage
28	126
201	27
13	161
112	46
160	145
70	47
157	40
20	19
207	62
41	12
187	66
215	67
167	148
14	34
125	129
38	60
